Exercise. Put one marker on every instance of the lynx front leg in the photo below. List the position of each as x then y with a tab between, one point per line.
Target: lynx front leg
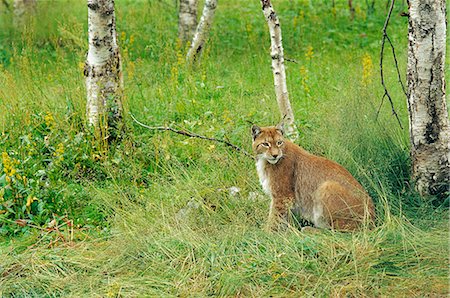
279	212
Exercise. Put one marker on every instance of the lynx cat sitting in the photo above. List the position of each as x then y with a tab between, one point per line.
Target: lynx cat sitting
312	187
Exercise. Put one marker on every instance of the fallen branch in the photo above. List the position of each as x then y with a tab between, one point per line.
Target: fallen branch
386	92
192	135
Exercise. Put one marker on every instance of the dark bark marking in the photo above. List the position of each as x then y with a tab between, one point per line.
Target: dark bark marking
265	4
432	127
93	6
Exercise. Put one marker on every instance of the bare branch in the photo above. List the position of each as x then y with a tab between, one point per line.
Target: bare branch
6	4
290	60
383	40
396	66
192	135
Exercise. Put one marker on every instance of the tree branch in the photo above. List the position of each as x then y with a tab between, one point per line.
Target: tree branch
383	41
290	60
6	4
192	135
396	66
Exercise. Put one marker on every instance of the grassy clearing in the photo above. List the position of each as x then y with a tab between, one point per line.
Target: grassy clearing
154	215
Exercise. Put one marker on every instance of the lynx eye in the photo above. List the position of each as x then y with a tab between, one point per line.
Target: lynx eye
280	143
265	144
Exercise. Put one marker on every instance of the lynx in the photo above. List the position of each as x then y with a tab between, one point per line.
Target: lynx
314	188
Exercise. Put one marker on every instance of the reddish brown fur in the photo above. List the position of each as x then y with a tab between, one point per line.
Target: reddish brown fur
317	189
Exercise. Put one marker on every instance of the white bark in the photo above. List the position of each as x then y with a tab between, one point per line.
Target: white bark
202	31
428	116
103	68
22	10
187	20
279	73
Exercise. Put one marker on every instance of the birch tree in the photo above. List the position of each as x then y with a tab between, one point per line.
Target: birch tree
428	116
279	72
22	10
103	70
202	32
187	20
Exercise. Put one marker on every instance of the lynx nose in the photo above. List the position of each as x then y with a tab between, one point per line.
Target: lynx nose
274	155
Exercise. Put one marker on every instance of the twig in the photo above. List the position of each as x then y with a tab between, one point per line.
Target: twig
396	66
6	4
192	135
383	40
290	60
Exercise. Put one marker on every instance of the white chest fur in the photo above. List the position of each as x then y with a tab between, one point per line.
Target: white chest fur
263	178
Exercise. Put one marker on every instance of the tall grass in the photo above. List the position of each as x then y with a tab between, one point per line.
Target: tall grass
155	215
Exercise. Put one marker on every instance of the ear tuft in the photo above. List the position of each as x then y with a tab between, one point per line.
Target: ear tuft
256	130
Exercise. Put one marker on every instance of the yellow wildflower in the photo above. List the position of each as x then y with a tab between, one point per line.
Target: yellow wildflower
131	69
174	74
203	75
9	166
226	117
30	200
367	69
248	28
304	76
295	21
5	159
309	53
180	60
360	13
59	152
81	65
49	120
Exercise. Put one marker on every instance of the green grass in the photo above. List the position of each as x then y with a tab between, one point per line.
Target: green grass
123	228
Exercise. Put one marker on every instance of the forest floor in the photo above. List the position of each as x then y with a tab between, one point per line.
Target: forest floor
162	215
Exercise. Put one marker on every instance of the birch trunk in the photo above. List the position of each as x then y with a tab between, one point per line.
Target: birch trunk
279	73
22	10
428	116
103	70
202	31
187	20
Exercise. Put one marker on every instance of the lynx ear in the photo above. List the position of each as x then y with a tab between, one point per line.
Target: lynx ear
280	127
256	130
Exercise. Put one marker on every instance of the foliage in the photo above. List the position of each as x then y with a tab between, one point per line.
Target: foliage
161	215
39	170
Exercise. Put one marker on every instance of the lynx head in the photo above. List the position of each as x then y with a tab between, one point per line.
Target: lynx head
268	142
